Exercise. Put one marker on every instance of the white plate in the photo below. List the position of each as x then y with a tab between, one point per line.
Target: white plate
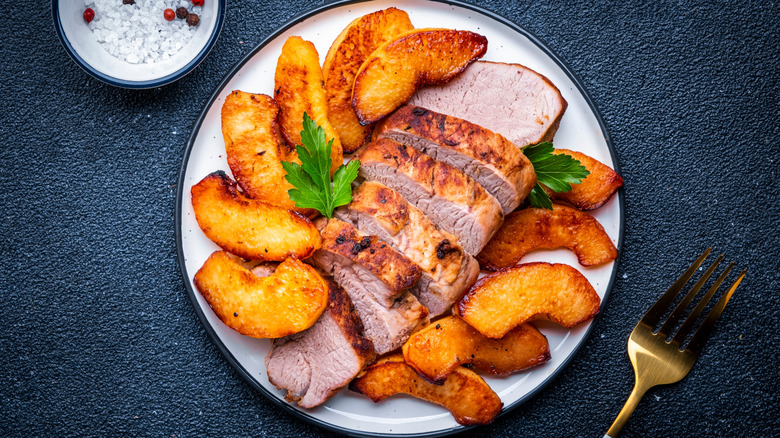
581	129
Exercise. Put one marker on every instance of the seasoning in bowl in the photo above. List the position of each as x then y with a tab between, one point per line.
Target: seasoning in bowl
193	19
141	31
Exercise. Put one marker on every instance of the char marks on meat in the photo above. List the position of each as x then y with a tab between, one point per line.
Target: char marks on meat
376	270
388	274
509	99
314	364
447	270
489	158
449	197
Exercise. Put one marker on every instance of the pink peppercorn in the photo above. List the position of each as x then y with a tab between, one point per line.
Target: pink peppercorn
89	14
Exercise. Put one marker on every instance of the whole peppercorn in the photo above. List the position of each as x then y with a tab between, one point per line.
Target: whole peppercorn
193	19
169	15
181	13
89	14
128	2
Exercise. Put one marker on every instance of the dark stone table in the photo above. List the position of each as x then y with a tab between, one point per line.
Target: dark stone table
99	338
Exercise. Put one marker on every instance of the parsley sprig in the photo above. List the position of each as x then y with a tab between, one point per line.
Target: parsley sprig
554	171
311	178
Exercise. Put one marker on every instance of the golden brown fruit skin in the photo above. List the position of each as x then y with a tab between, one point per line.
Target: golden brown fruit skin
442	346
255	150
288	301
596	189
463	393
503	300
298	89
538	228
391	75
346	55
250	228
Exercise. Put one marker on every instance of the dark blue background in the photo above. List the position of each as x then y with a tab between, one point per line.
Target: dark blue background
99	338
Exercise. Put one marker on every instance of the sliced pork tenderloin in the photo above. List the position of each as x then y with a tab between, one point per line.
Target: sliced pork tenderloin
447	270
509	99
450	198
490	159
314	364
388	327
386	272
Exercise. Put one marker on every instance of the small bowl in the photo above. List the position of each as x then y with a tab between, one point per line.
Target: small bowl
83	48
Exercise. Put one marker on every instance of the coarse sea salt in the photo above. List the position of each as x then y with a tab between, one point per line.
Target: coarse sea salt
139	33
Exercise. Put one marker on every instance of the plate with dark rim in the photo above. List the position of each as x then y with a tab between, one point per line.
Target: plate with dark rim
582	129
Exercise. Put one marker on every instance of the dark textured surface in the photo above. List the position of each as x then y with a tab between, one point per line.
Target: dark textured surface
98	337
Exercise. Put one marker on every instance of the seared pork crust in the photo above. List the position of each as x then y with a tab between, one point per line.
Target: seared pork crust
388	316
489	158
447	270
396	271
453	200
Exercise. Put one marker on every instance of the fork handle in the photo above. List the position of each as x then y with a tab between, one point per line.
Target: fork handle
628	409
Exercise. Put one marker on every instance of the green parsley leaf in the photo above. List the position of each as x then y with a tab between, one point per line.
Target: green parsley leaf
539	198
342	183
311	178
554	171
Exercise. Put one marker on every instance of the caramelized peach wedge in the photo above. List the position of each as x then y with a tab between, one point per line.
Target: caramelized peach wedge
499	302
442	346
596	189
347	53
463	393
288	301
530	229
298	89
392	74
250	228
255	150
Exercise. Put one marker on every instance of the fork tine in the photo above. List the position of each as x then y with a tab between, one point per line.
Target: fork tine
675	316
653	315
704	331
685	329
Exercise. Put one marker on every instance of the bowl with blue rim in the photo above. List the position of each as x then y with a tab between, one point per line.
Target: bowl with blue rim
91	52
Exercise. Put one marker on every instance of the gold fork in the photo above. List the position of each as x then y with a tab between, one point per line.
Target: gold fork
657	361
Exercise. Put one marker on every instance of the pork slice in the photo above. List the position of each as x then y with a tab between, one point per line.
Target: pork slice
490	159
450	198
314	364
510	99
447	270
385	272
387	327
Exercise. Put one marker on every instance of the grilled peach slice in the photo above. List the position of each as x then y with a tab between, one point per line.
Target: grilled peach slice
346	55
538	228
391	75
596	189
250	228
463	393
255	149
298	89
499	302
438	349
288	301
